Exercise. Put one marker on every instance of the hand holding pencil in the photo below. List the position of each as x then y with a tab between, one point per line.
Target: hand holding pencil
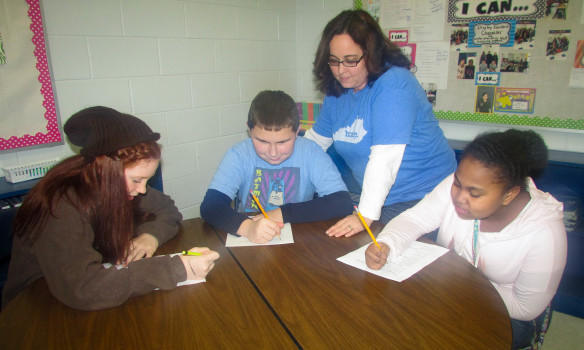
376	254
261	228
198	262
376	258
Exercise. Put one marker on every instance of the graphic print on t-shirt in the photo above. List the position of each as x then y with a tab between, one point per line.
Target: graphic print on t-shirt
273	188
353	133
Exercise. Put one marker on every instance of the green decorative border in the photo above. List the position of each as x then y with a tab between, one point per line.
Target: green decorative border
512	119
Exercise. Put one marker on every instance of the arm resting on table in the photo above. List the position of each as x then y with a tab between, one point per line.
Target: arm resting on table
216	210
334	205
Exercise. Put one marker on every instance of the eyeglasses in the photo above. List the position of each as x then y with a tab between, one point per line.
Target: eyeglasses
347	63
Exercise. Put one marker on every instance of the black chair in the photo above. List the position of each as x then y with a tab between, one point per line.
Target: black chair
6	216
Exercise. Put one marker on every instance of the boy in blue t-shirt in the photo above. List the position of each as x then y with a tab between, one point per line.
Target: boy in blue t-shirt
293	178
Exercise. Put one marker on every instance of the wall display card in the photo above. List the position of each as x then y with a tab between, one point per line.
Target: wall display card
286	237
428	22
466	65
524	34
396	13
488	78
459	37
432	63
579	58
500	33
514	62
489	59
409	49
577	74
484	99
557	45
514	100
556	9
481	10
398	36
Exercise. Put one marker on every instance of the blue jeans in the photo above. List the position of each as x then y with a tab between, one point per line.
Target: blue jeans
526	334
388	212
391	211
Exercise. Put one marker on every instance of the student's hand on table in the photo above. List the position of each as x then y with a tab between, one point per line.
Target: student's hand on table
199	266
348	226
142	246
260	230
376	258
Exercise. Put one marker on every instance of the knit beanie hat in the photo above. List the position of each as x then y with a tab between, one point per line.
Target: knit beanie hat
102	130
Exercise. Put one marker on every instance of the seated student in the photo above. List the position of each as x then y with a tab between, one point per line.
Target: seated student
490	213
283	170
95	208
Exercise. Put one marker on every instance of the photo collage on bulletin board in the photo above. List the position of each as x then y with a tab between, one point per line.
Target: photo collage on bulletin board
492	42
505	52
487	49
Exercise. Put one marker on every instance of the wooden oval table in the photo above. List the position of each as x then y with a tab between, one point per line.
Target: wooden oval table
277	297
327	304
226	312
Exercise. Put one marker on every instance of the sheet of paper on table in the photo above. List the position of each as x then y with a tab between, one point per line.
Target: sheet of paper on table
415	258
287	238
183	283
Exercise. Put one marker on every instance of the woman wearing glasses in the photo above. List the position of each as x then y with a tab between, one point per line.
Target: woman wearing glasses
378	119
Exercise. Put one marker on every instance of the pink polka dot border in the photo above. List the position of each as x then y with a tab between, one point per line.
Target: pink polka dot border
46	89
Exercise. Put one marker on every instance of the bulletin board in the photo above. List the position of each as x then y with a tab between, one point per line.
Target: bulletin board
28	117
537	78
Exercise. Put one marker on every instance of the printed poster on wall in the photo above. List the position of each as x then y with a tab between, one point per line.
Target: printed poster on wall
558	44
484	99
514	100
500	33
524	34
577	74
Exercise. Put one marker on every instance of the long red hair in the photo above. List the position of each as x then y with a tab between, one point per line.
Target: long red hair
96	186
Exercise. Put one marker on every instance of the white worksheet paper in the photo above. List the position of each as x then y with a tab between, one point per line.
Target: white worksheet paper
415	258
286	238
183	283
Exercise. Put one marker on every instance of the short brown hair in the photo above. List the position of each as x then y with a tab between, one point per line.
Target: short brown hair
273	111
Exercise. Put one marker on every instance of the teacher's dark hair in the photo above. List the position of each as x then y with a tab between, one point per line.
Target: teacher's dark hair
380	53
513	155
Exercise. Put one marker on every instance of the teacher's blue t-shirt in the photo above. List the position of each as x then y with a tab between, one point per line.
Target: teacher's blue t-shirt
393	110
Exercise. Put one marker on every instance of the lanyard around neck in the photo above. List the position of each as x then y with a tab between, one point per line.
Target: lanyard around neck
475	242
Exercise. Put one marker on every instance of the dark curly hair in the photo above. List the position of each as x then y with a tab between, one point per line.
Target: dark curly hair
513	155
380	53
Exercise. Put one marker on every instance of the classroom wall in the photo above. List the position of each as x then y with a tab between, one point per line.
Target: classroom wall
190	69
187	68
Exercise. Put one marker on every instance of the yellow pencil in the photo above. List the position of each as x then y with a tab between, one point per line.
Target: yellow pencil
367	227
259	205
261	208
